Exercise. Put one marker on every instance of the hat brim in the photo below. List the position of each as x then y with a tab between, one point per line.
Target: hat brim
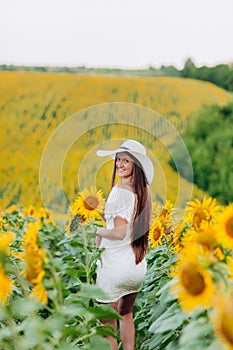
146	163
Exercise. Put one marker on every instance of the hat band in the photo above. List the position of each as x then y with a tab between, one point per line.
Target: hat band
125	148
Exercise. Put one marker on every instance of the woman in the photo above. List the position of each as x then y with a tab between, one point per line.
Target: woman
122	269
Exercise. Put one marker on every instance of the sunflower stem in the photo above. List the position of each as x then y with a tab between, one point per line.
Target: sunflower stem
58	301
87	265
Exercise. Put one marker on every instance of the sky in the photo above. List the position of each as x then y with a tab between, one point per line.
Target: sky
116	33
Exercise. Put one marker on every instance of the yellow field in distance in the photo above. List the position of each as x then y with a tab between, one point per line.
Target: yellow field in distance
33	105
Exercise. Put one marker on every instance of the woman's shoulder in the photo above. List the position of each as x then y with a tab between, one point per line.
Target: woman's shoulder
124	186
120	202
121	192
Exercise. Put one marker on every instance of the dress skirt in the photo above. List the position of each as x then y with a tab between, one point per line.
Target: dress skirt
117	272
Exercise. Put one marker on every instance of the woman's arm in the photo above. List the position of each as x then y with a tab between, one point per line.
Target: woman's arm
98	241
116	233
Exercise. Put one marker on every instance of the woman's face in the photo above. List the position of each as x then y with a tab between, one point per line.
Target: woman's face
124	165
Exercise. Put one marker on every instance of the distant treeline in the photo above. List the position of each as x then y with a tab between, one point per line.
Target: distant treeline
210	143
221	74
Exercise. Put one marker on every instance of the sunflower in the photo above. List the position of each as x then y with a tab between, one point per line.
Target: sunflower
33	255
179	234
12	209
34	271
6	238
187	243
30	211
192	283
34	258
223	319
39	292
156	233
206	235
205	210
163	212
88	204
6	286
224	227
165	215
75	223
43	213
208	239
40	213
229	262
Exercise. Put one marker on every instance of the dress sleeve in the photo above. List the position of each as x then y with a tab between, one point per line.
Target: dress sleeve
120	203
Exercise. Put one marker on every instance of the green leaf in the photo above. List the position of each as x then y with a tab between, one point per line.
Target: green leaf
198	334
5	333
99	343
54	324
23	307
171	319
77	244
66	346
3	312
216	345
76	309
106	330
58	263
33	328
104	312
157	342
91	291
169	324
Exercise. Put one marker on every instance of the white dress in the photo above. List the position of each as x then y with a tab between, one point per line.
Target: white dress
117	272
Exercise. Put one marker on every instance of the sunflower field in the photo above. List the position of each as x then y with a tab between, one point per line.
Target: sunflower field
48	271
33	105
48	287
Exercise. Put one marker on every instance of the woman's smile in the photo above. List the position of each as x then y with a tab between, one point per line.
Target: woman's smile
124	165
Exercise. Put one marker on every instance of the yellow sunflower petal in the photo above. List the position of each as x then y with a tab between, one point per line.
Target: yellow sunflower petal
156	233
205	210
33	255
6	238
224	227
6	286
39	292
223	319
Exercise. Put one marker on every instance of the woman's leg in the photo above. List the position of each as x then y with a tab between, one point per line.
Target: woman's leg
113	323
127	329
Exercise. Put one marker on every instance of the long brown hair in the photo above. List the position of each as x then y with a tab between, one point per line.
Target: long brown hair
142	213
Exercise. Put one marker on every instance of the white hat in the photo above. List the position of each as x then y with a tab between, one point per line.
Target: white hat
138	151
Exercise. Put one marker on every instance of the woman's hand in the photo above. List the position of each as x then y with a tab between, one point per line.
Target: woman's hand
98	240
100	231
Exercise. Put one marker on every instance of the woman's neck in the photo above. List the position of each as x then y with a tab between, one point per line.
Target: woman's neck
127	181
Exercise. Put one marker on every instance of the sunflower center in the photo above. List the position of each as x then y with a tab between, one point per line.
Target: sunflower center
31	211
156	233
229	227
192	280
91	202
198	216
